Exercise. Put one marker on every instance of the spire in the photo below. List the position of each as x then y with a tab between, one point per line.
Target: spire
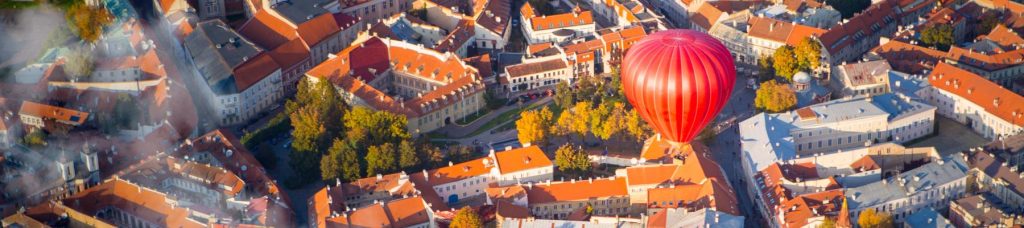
844	216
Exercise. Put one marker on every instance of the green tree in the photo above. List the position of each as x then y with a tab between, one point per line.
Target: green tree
587	89
88	21
635	126
36	138
265	155
939	36
774	97
873	219
766	68
305	155
617	94
341	162
534	126
492	100
808	54
785	63
79	63
466	218
432	155
575	120
381	159
407	157
380	126
986	23
572	161
459	153
563	95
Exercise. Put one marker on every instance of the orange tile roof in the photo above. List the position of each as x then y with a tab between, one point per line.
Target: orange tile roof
879	14
255	70
1004	36
652	174
804	207
534	48
373	215
241	162
143	203
53	112
482	63
506	209
290	54
208	174
789	33
318	29
457	37
706	16
993	98
711	193
564	20
864	164
350	71
580	190
505	192
909	58
457	172
267	30
986	61
495	16
407	212
520	159
526	69
527	11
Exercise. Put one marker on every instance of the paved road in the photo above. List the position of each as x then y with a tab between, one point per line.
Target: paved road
173	56
726	146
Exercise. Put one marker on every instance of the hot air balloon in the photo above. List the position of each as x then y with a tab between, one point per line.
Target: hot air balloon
678	80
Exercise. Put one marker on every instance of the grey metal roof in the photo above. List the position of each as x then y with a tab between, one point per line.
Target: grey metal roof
702	218
907	84
766	138
216	50
922	178
928	217
299	11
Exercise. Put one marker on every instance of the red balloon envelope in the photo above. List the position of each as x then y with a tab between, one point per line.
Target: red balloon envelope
678	80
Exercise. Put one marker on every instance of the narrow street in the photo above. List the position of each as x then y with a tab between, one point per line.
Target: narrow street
726	145
175	61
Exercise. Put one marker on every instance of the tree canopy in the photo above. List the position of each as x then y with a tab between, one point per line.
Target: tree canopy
88	21
79	63
534	126
785	62
774	97
808	54
572	161
466	218
381	159
873	219
939	36
341	162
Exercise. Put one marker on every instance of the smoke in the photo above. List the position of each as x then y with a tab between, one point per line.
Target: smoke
23	33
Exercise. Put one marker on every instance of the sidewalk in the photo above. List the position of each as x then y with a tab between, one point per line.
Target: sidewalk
454	131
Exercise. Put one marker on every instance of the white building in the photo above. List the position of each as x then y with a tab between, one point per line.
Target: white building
970	99
528	77
472	178
862	79
240	78
556	28
933	184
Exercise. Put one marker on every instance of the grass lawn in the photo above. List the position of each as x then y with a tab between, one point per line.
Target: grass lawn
514	113
471	117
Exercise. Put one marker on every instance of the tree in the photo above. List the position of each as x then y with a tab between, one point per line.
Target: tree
774	97
785	63
939	36
341	162
265	155
987	22
87	21
381	159
828	223
606	119
563	95
459	153
766	68
492	100
466	218
587	88
36	138
78	64
407	157
305	155
874	219
572	161
380	126
808	54
575	120
433	156
617	94
533	126
636	126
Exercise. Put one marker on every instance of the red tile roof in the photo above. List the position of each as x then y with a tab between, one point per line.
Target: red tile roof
53	112
145	204
789	33
290	54
993	98
804	207
909	58
986	61
495	16
267	31
354	63
457	37
526	69
864	25
706	16
408	212
255	70
318	29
